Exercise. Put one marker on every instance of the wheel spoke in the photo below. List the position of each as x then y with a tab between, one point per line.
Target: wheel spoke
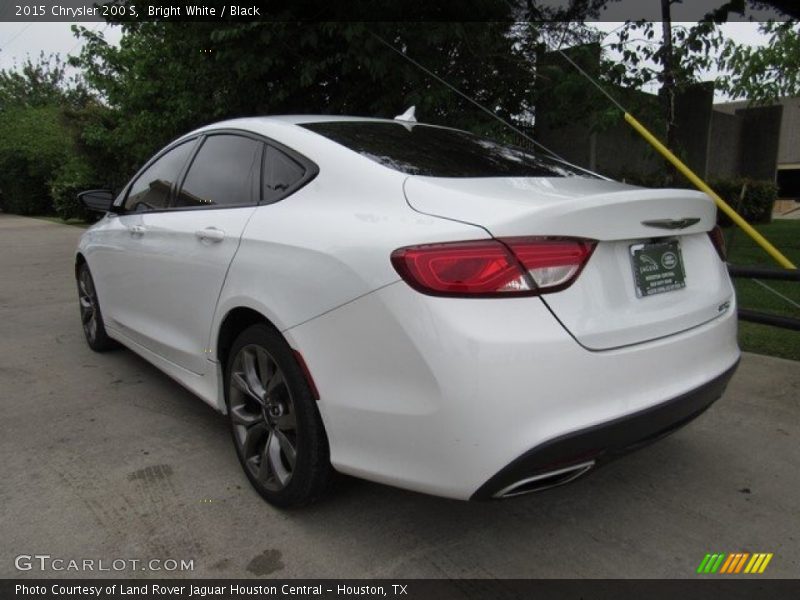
241	416
252	437
265	470
86	284
263	364
249	361
273	454
242	384
87	314
275	382
288	449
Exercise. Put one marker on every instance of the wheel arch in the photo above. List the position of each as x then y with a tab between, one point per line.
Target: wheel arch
232	324
235	321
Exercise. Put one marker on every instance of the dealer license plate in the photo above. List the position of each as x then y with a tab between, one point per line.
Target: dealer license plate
657	268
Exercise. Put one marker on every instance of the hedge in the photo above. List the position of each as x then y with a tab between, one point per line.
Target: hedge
757	203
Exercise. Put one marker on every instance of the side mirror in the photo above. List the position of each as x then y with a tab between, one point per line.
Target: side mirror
97	200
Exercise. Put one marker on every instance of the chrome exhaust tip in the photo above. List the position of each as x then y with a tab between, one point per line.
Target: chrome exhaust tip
545	481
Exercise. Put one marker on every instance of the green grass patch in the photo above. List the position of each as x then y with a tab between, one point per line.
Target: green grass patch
785	236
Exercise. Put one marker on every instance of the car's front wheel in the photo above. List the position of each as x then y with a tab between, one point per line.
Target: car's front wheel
91	317
277	430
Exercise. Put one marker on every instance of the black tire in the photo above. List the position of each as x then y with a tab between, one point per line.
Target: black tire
91	317
275	424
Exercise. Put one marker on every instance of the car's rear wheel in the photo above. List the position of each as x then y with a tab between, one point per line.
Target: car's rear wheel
277	430
91	317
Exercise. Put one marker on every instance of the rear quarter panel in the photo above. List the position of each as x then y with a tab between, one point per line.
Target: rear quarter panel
327	244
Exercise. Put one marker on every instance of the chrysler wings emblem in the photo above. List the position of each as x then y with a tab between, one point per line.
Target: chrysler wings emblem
671	223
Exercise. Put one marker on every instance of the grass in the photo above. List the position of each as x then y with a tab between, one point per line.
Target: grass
763	339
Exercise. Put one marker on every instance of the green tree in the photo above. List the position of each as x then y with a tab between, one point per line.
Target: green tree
42	159
673	57
167	78
43	82
766	73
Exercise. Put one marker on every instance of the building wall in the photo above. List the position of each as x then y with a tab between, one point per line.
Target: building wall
716	141
789	144
724	145
789	148
761	131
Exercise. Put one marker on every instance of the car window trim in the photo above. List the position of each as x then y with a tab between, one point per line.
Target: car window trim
311	171
203	138
169	148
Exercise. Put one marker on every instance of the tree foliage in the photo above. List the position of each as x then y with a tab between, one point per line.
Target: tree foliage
37	136
167	78
765	73
642	53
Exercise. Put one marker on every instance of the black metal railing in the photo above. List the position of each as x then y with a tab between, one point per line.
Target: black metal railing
757	274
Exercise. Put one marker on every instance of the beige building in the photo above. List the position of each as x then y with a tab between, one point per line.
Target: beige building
788	164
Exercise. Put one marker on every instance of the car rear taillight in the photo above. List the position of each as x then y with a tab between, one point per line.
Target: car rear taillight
553	264
490	268
719	242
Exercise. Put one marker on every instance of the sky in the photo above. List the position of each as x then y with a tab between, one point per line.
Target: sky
19	40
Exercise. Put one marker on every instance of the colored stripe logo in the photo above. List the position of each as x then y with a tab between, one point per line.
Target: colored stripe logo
733	563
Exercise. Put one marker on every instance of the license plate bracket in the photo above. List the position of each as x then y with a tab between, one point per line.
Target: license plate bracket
657	267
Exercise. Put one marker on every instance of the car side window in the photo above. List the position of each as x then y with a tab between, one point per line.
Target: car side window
225	172
151	190
281	172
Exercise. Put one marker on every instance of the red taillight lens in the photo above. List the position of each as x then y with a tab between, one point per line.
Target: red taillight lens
478	268
512	266
719	242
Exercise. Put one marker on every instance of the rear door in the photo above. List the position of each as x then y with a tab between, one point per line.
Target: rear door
183	253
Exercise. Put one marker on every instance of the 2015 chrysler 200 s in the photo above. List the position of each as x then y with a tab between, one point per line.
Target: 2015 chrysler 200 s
410	304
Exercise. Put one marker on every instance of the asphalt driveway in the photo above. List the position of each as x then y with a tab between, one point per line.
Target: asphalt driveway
103	457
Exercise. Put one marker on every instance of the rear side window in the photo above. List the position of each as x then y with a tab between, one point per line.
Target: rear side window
281	172
439	152
225	172
151	190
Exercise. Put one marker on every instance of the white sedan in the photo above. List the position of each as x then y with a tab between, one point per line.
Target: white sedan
410	304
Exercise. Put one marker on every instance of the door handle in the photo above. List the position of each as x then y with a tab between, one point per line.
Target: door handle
210	234
137	229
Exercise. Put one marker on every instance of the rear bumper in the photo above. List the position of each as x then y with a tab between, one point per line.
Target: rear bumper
439	395
591	447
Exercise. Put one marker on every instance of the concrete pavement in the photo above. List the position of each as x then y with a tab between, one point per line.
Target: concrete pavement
103	457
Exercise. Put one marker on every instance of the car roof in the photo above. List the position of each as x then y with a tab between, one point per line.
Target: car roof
289	130
262	122
303	119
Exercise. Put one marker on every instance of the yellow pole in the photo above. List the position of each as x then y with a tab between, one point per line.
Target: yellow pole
702	186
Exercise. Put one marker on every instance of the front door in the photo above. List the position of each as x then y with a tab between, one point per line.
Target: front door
176	260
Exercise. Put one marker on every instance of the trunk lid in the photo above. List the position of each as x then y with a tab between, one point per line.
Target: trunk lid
601	309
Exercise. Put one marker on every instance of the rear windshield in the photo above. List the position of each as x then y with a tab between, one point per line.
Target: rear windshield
439	152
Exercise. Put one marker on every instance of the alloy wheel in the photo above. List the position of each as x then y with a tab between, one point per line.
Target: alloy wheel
262	411
88	303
